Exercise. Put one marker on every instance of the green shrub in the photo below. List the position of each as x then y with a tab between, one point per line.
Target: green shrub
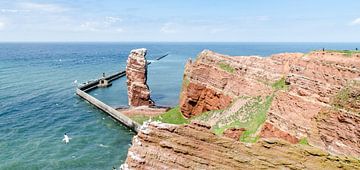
139	118
280	84
206	116
303	141
173	116
345	52
256	111
341	97
226	67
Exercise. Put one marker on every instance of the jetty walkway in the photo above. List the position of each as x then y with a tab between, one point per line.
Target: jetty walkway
117	115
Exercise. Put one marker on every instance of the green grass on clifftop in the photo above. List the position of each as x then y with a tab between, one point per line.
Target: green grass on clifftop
341	97
303	141
256	115
345	52
173	116
226	67
280	84
139	118
348	97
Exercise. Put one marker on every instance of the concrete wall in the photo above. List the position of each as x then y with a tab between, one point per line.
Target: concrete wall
111	111
93	85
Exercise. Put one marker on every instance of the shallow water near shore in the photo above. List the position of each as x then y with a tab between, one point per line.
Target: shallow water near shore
38	102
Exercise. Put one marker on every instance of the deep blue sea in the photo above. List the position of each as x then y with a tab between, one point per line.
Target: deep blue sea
38	104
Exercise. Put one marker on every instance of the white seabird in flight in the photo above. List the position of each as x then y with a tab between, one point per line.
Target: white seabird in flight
66	139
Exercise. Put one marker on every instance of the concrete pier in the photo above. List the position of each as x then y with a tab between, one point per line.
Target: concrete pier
93	84
111	111
117	115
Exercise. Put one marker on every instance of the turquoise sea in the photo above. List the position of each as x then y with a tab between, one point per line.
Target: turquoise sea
38	104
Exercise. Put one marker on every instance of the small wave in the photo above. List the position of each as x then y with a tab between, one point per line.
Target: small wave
103	146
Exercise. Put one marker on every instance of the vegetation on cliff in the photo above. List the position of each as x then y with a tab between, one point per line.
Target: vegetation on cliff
280	84
303	141
348	97
226	67
250	116
139	118
206	116
345	52
172	116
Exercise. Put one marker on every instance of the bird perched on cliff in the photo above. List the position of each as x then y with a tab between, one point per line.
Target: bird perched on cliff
66	139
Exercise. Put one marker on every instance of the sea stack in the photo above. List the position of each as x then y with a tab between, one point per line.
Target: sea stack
136	74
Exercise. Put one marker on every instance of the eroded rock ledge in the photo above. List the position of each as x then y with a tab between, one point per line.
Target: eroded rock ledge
164	146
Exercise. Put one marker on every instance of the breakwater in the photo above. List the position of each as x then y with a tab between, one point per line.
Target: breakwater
117	115
93	84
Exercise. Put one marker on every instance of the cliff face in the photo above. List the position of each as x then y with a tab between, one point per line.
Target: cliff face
227	78
136	74
164	146
245	106
294	90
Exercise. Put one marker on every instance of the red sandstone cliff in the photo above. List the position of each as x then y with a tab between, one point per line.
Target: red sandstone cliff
136	74
300	98
304	88
165	146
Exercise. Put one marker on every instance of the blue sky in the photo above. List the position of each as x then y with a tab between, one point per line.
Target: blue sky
181	20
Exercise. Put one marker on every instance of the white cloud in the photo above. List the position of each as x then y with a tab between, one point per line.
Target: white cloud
110	21
2	25
105	24
119	30
169	28
9	10
113	19
42	7
355	22
90	26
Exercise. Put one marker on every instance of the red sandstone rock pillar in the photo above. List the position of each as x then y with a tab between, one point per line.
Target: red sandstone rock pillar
136	74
